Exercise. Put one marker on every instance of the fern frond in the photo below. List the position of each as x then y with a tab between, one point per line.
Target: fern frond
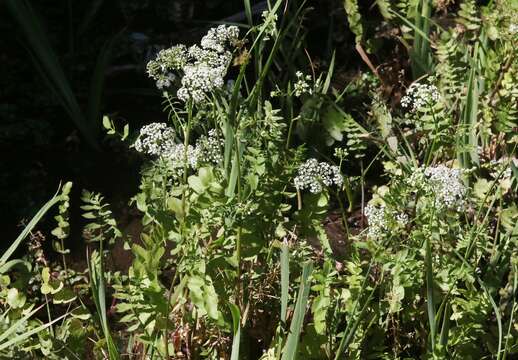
468	15
355	19
102	226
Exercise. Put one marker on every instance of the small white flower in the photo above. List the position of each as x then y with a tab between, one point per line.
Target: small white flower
201	69
210	148
217	38
167	60
401	219
302	85
502	165
200	79
420	96
376	216
513	29
155	139
209	57
176	155
269	24
443	183
313	174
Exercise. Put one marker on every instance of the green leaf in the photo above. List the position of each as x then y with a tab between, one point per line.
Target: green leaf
107	124
15	299
211	299
125	132
175	205
481	187
64	296
319	309
196	184
81	313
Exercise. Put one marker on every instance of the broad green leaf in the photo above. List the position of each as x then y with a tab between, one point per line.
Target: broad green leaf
15	298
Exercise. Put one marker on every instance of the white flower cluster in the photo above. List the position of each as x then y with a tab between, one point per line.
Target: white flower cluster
217	38
378	224
269	24
401	219
176	156
167	60
199	80
157	139
444	183
447	185
380	218
302	86
312	174
419	96
203	68
209	148
513	29
502	165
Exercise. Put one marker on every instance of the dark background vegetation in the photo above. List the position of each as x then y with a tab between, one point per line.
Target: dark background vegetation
39	144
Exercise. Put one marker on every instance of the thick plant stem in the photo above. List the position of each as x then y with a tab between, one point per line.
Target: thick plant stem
187	133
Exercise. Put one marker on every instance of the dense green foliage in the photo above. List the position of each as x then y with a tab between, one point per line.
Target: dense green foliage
284	217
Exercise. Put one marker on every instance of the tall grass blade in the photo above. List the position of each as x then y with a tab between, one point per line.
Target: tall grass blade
7	254
292	342
350	331
97	84
353	325
97	285
429	292
12	329
48	63
285	280
236	325
21	337
445	327
496	309
467	141
248	12
89	16
513	311
330	71
420	53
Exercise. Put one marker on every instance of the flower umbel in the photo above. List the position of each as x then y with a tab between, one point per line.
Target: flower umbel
155	139
313	174
201	69
443	183
210	148
302	86
378	223
420	96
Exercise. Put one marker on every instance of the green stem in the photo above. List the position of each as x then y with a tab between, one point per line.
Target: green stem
166	332
342	210
49	315
64	260
187	133
239	294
